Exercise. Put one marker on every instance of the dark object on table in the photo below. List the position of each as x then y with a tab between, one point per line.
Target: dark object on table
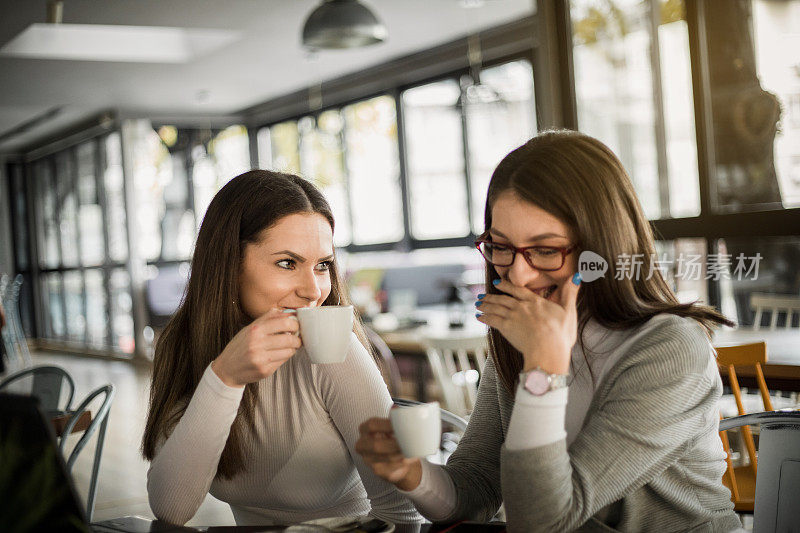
455	307
36	493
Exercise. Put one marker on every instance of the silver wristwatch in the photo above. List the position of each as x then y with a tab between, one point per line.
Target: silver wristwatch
539	382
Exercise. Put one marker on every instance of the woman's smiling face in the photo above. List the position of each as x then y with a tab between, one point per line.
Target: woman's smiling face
289	267
517	222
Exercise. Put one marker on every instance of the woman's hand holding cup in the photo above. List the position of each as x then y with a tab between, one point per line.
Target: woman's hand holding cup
259	349
381	452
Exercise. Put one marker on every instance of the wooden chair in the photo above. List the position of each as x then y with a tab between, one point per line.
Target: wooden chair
741	480
456	364
774	304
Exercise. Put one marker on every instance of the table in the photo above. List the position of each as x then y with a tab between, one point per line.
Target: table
782	371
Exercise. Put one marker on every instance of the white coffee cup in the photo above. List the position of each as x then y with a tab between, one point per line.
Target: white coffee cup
417	428
325	332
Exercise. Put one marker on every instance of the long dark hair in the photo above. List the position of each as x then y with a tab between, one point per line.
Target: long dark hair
579	180
209	316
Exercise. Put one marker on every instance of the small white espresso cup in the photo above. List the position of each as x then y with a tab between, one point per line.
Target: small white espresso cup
325	331
417	428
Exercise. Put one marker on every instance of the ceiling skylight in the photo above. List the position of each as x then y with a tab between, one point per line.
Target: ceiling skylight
135	44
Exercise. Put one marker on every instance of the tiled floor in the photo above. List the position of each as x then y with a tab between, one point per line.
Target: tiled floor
123	472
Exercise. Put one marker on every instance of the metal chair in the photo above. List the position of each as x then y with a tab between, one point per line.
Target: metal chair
456	363
100	421
778	478
52	383
48	383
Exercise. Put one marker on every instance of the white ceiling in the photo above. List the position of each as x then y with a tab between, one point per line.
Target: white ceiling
266	62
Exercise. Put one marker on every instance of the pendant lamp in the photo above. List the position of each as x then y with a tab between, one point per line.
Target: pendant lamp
342	24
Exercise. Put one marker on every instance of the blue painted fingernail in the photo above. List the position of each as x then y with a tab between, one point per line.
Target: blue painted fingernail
478	315
478	303
576	279
495	282
481	296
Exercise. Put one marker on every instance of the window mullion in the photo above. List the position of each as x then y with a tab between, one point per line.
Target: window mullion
188	161
30	186
659	122
346	174
406	243
101	161
704	130
57	208
73	154
462	108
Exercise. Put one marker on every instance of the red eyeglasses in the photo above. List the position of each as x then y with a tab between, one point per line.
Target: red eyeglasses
545	258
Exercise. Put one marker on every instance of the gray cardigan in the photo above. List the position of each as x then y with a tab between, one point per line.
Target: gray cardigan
648	457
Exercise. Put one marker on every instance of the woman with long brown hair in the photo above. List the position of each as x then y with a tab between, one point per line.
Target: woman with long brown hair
236	407
598	407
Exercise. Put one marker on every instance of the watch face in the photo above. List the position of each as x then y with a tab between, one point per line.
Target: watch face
537	382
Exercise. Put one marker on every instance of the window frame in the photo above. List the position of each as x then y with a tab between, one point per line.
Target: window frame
36	274
408	242
708	225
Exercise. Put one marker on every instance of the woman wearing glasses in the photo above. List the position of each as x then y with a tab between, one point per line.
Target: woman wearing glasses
598	407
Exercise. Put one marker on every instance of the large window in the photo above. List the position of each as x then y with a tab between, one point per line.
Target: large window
634	93
636	63
756	106
322	162
373	168
214	162
496	127
351	155
176	173
436	166
80	211
451	145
